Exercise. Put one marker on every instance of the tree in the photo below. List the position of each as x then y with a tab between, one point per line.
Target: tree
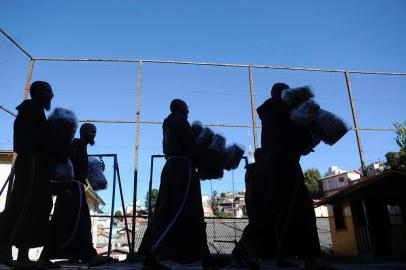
154	197
397	160
311	178
400	134
215	205
119	215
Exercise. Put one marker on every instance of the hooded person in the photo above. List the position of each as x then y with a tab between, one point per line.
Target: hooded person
70	234
177	230
24	221
289	207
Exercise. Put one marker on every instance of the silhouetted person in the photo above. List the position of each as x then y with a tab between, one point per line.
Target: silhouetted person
24	221
292	214
70	229
178	231
259	189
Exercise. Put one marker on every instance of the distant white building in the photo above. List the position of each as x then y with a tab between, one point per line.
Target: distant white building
376	167
335	182
208	211
334	170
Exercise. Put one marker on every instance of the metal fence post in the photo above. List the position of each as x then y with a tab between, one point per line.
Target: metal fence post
356	127
253	109
137	140
28	81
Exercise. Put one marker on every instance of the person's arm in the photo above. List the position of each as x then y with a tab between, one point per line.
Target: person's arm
187	138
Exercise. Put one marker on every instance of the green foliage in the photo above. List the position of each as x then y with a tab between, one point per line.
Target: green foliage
119	215
154	197
311	178
400	134
214	203
397	160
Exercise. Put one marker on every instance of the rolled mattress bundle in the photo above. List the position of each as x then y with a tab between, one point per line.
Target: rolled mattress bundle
217	156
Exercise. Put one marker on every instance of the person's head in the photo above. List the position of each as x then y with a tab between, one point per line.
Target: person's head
258	154
41	93
88	133
179	106
277	90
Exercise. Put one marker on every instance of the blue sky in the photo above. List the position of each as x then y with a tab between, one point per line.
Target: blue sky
363	35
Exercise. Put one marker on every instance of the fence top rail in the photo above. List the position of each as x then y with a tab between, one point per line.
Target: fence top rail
16	44
4	33
222	65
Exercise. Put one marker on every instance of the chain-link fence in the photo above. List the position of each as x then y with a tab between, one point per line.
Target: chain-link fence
129	98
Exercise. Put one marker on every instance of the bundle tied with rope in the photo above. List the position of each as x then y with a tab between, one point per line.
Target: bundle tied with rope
62	125
95	174
306	113
217	156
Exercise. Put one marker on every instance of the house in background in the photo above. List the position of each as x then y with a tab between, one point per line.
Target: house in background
335	182
6	160
368	218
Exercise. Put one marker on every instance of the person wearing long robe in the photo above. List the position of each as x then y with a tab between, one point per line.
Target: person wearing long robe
70	230
24	221
257	193
177	230
291	220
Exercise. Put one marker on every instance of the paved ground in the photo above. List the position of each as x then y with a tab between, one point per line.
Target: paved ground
341	265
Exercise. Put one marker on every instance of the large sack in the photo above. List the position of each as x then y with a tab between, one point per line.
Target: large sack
64	171
304	114
205	137
329	127
63	124
218	143
232	156
197	128
95	174
294	96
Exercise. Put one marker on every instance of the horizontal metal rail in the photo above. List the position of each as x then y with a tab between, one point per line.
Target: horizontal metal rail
207	125
222	65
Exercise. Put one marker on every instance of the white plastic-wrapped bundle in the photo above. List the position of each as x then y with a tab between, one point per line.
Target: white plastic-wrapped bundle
314	142
295	96
329	127
64	171
197	127
218	143
232	156
305	113
205	137
95	174
63	123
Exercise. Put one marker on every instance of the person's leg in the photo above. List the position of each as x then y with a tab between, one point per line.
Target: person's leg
5	254
151	263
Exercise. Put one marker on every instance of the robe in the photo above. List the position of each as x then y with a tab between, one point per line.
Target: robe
70	230
283	222
24	221
186	240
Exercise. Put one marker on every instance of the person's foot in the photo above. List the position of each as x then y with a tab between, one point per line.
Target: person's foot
97	260
151	263
284	262
28	265
6	260
240	257
317	264
211	262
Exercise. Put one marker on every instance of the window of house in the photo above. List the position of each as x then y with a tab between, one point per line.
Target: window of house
395	214
339	217
341	179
